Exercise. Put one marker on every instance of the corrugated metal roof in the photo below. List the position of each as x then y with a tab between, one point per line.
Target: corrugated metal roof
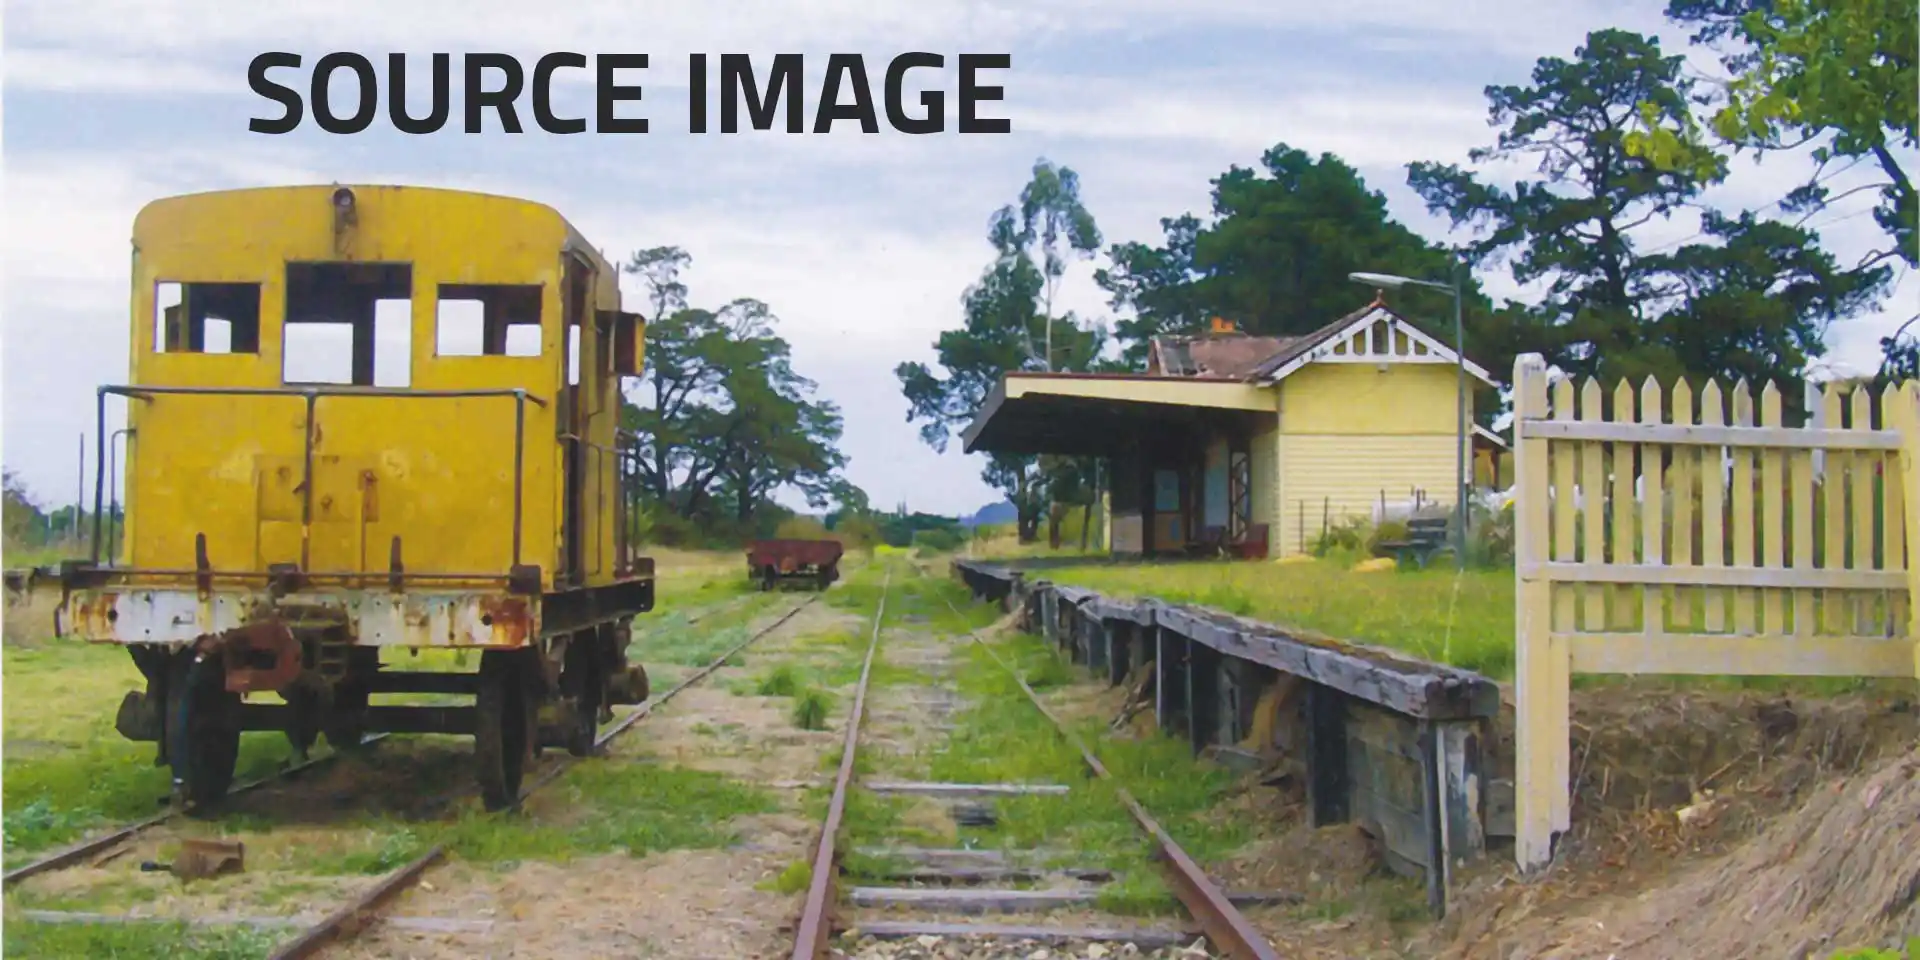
1297	346
1242	357
1212	356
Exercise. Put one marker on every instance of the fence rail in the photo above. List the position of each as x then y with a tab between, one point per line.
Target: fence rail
1660	531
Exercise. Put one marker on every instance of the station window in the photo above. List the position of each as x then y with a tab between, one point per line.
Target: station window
206	317
348	323
487	320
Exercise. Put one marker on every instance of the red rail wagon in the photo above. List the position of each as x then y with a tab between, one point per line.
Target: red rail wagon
770	561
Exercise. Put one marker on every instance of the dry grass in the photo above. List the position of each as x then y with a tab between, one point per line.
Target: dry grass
1782	864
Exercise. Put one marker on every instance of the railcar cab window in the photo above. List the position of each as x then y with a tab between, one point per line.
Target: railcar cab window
206	317
348	323
487	320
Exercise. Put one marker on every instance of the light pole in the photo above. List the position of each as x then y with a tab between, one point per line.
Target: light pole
1460	489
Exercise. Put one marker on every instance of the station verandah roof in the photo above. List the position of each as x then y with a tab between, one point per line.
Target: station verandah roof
1105	414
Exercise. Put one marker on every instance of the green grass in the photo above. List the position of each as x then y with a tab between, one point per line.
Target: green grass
782	681
1910	952
1465	619
1001	737
798	876
628	806
67	771
811	708
154	941
671	644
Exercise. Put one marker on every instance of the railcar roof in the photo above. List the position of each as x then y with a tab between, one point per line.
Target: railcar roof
575	239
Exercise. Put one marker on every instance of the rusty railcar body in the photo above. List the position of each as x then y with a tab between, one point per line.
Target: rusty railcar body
454	481
814	561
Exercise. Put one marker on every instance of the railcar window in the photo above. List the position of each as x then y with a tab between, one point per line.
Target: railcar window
206	317
573	356
348	323
487	320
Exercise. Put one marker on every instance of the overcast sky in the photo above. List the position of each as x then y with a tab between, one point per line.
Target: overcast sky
861	244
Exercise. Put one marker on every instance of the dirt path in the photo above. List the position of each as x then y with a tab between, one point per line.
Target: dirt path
684	904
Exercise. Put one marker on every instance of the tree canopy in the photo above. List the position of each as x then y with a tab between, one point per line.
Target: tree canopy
1010	325
726	422
1273	257
1835	77
1749	297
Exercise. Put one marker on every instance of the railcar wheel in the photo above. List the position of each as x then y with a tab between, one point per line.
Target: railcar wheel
586	668
344	727
203	732
504	729
345	723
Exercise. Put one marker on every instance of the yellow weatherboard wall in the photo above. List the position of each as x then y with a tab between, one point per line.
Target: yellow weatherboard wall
438	472
1348	431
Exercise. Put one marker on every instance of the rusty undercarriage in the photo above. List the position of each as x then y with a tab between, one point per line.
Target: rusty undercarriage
551	667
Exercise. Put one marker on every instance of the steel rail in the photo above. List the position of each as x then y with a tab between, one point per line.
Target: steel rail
816	923
343	923
348	919
1223	923
84	848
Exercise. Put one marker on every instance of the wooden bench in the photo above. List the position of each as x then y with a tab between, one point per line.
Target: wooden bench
1426	537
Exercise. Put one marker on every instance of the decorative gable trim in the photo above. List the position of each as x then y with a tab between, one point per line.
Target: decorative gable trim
1378	336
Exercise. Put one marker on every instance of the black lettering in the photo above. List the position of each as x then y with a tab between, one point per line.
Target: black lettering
609	93
736	72
934	100
971	93
697	93
363	112
479	98
397	97
543	92
860	109
257	80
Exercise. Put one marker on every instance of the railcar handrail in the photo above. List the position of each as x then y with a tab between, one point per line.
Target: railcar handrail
625	452
312	394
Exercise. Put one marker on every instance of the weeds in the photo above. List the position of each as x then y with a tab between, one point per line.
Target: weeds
796	877
154	941
637	808
783	681
810	709
1910	952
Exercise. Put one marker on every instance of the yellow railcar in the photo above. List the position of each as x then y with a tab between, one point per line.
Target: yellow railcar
367	417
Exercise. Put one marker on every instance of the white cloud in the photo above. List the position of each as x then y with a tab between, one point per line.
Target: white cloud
1512	27
1365	127
852	299
861	244
70	71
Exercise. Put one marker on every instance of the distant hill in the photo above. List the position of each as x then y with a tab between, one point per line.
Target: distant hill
992	513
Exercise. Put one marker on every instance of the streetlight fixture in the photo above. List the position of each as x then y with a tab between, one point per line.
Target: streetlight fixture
1460	491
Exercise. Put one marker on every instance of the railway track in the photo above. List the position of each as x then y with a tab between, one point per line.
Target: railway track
67	856
907	688
346	921
1227	931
